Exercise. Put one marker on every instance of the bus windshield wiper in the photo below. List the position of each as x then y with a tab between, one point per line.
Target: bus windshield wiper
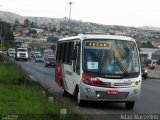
125	72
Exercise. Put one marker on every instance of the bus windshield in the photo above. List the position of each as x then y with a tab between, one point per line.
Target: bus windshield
110	56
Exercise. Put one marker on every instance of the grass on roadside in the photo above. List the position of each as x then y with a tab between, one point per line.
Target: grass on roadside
22	97
10	73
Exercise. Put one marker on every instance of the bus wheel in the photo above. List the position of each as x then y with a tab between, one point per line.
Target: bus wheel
129	105
79	101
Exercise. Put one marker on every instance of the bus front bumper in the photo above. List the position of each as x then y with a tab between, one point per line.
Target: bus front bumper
93	93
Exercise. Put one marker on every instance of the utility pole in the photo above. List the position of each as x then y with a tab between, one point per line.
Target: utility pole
70	4
1	35
1	32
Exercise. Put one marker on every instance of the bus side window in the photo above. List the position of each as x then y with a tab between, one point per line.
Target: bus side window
74	58
66	52
78	59
70	52
63	52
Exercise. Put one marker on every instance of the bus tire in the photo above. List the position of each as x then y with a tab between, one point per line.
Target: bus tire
79	101
129	105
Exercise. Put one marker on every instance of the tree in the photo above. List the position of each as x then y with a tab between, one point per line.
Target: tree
6	32
143	45
26	23
33	25
33	31
138	43
16	23
149	45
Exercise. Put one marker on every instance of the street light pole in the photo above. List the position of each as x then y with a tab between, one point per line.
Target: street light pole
70	4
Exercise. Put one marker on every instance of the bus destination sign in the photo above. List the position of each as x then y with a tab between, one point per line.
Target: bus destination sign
97	44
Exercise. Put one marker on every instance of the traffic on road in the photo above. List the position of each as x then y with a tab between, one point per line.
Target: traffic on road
148	102
99	94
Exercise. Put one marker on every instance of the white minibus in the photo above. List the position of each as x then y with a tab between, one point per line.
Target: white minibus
95	67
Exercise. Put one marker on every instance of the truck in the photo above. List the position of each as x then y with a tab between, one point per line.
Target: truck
21	53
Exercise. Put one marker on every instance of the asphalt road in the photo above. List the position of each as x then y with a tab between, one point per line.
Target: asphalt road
149	102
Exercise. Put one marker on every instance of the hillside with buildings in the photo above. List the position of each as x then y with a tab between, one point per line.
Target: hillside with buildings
61	25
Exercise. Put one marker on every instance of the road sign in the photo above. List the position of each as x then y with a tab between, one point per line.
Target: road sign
52	39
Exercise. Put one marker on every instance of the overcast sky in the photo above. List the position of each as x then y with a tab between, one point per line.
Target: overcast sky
110	12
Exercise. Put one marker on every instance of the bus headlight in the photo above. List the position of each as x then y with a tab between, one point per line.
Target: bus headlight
98	95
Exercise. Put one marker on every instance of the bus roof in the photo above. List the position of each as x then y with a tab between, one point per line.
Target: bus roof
97	36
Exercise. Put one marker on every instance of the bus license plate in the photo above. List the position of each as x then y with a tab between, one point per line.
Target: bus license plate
112	92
